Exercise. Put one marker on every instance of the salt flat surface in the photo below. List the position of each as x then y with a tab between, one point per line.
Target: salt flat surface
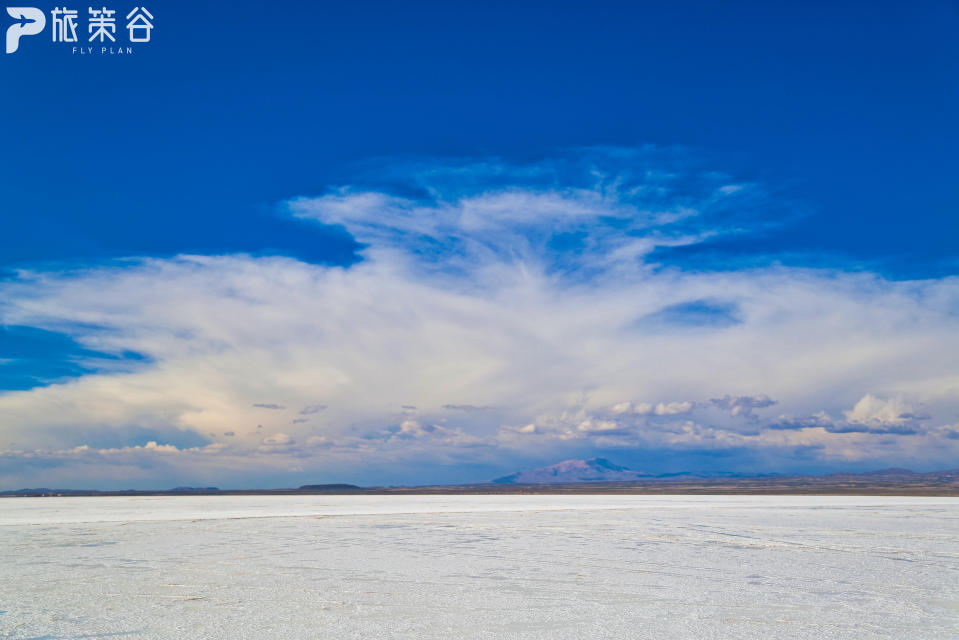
296	567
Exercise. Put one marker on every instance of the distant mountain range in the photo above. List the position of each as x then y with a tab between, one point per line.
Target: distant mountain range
596	470
598	475
85	492
307	488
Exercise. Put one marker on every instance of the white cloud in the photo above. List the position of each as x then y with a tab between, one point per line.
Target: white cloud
743	405
278	439
622	407
672	408
546	338
871	410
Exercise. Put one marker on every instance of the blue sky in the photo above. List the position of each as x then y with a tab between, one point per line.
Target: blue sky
719	154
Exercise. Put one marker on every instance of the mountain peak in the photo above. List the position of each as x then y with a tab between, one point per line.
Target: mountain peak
572	471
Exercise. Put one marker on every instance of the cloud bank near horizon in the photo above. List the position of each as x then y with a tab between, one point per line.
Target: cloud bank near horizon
499	315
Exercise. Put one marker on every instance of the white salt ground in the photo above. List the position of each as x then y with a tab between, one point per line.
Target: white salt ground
293	567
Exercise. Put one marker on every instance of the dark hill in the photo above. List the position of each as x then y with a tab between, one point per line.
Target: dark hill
330	488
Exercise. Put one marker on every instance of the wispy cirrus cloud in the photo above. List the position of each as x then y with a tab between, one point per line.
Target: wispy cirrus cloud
588	211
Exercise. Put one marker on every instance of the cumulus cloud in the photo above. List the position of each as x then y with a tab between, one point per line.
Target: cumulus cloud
870	414
879	412
819	437
651	409
743	405
506	310
672	408
818	421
